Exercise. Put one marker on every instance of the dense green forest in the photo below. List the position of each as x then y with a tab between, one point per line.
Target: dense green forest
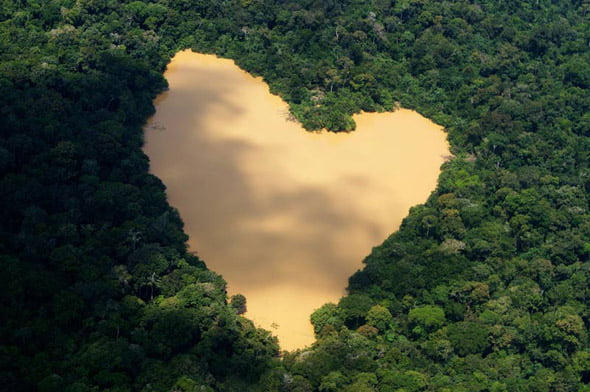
485	287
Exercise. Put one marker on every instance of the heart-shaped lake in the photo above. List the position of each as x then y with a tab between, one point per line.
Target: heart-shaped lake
285	215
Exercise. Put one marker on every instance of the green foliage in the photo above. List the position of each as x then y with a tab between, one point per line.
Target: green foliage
430	317
328	318
354	309
468	338
380	318
484	288
332	382
238	303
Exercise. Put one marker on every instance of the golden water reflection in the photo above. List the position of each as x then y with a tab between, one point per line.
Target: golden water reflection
286	216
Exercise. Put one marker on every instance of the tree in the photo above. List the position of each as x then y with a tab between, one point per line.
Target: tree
327	318
238	303
380	318
430	317
468	337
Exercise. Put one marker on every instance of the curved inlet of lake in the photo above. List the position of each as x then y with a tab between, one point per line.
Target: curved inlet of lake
285	215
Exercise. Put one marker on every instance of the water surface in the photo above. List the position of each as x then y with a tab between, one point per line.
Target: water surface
286	216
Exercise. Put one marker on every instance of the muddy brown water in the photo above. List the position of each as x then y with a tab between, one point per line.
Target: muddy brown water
285	215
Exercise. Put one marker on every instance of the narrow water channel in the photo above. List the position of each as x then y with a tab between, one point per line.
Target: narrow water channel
286	216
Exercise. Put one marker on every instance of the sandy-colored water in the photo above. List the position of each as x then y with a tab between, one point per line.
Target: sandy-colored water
286	216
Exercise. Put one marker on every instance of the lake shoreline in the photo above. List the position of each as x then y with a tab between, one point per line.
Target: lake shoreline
266	203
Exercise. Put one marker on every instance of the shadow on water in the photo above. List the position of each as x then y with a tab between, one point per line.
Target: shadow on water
221	209
273	209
